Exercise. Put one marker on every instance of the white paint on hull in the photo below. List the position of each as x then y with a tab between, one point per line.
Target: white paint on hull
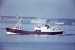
10	33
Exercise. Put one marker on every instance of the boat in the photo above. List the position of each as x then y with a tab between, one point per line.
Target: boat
40	28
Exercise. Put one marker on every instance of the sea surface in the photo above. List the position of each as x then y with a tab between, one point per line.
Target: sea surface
37	42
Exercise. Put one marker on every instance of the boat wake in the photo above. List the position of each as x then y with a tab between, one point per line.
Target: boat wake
66	34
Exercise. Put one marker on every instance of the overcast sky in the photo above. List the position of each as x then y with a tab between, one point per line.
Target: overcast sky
38	8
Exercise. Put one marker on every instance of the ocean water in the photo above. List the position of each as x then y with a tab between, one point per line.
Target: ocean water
37	42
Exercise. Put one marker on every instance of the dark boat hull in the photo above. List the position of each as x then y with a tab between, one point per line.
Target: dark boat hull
21	32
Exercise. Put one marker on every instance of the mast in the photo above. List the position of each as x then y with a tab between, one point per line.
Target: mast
19	23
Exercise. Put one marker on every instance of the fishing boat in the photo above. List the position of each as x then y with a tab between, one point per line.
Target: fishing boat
40	28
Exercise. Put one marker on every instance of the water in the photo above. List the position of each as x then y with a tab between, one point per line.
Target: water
38	46
30	42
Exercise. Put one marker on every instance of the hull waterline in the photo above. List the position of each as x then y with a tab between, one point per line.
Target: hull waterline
21	32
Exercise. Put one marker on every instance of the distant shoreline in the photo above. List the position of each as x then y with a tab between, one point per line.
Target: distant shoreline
13	19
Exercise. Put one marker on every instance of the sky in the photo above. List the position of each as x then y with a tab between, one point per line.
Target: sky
38	8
